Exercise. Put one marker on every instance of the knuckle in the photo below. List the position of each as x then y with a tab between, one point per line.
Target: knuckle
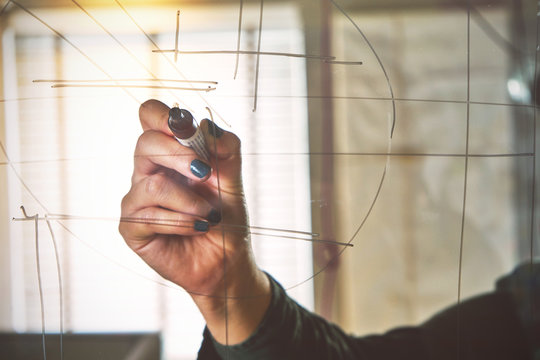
142	142
154	185
124	203
236	144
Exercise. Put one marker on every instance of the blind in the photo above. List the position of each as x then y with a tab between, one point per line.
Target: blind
73	149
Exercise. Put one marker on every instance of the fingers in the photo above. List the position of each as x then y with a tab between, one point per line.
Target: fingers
160	190
219	142
154	115
145	223
224	150
159	205
156	150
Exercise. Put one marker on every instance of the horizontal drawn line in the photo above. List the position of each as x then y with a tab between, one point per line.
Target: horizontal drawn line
246	52
366	154
96	65
309	240
75	217
171	63
131	87
35	98
341	62
124	80
44	161
526	106
188	224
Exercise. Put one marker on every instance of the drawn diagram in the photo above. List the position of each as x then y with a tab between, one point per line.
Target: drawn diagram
389	152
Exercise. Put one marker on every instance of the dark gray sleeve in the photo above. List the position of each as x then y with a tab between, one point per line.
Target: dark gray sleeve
288	331
485	327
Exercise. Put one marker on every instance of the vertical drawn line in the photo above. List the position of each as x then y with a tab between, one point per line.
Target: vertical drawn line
465	181
387	164
63	183
533	207
176	36
60	288
127	51
4	7
40	285
168	60
258	59
72	45
327	164
220	201
238	38
390	88
371	207
492	33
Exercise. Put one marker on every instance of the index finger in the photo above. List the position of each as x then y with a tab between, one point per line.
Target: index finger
154	115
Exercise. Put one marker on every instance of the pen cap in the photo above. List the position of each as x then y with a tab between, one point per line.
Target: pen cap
181	123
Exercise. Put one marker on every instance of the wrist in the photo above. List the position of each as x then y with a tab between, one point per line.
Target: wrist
234	315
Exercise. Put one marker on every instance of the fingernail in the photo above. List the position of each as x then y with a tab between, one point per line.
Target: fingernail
214	130
214	217
201	226
199	169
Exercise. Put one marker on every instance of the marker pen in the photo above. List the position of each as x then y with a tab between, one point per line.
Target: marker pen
186	131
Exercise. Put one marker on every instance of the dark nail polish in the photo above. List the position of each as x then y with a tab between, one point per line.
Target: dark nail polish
214	217
199	169
201	226
214	130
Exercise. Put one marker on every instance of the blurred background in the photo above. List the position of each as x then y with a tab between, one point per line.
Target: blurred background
415	143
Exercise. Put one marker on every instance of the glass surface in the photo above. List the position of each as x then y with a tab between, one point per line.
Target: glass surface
415	144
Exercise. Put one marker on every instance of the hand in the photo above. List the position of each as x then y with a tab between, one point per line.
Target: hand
186	218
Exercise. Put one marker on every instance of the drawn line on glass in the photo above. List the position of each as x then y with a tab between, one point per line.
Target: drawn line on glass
516	105
343	62
123	80
257	66
389	84
248	52
72	45
383	176
492	33
4	7
270	232
176	36
55	86
273	232
60	285
237	60
465	183
532	308
171	63
126	49
466	164
223	242
45	161
34	219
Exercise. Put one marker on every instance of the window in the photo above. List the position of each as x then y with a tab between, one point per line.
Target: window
73	148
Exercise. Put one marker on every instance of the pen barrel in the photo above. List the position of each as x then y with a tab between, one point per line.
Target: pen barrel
197	143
